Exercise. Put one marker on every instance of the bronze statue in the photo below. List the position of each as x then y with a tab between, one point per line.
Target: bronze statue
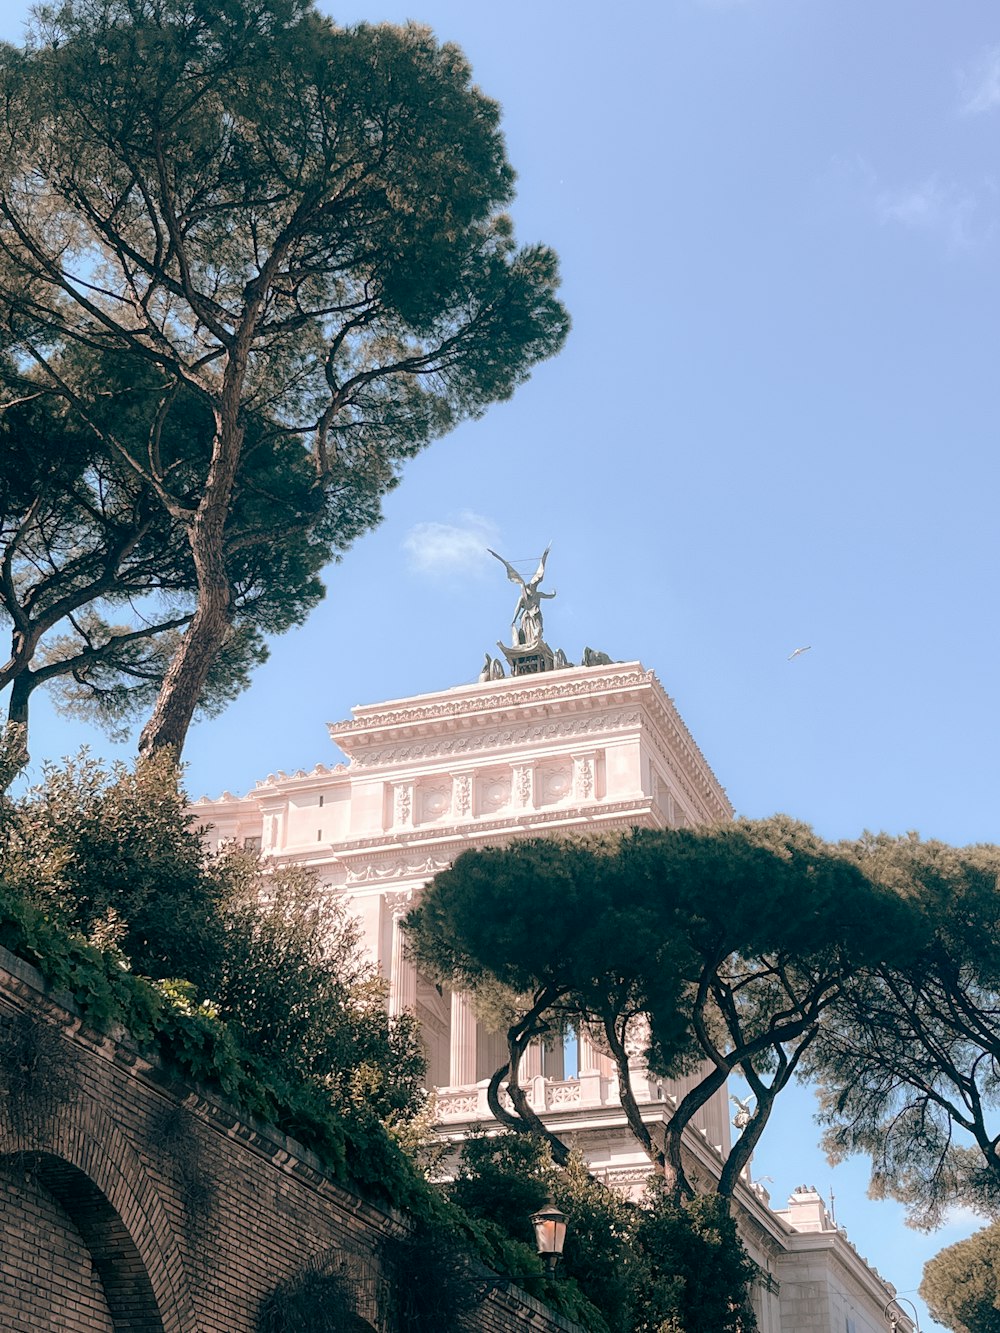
526	627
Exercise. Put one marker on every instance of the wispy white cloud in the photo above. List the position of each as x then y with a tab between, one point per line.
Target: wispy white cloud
979	84
961	217
450	550
939	207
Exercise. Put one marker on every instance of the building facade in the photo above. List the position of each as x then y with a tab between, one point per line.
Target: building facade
551	749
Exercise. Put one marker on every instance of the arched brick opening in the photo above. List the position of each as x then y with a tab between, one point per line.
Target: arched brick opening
82	1156
124	1281
47	1275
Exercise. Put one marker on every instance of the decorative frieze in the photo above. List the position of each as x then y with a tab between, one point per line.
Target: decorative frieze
497	738
398	855
398	867
464	721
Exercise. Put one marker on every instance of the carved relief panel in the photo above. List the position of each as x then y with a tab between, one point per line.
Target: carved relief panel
398	805
553	782
433	801
588	775
461	795
493	791
523	786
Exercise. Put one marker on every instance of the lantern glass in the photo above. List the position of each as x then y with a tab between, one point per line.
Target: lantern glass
550	1230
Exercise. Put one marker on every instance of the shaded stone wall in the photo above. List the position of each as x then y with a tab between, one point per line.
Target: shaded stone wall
128	1202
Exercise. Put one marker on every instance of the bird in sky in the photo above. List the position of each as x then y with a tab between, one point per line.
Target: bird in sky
799	651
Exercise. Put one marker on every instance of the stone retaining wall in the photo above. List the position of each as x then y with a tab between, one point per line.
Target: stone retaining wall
129	1202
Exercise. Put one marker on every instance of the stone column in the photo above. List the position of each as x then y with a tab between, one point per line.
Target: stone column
402	973
589	1059
491	1053
555	1059
587	1056
531	1061
463	1042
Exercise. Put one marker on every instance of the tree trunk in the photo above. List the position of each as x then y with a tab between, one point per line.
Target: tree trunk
14	735
524	1120
20	693
532	1121
742	1149
185	679
626	1095
677	1181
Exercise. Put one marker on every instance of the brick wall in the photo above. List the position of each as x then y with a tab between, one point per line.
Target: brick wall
49	1278
129	1202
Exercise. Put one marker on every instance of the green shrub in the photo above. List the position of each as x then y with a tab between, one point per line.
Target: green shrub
697	1274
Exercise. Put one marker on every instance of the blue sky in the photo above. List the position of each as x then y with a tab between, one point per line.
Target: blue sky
774	424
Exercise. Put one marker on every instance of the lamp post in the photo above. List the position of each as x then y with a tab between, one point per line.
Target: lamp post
892	1316
550	1234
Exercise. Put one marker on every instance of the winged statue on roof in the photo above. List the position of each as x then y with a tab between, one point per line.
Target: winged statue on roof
526	627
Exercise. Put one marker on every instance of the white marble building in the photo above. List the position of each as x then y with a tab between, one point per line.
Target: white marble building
558	750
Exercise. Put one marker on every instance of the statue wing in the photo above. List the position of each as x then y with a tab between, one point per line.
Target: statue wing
539	573
512	573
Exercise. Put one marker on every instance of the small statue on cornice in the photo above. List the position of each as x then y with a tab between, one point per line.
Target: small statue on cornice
526	627
591	657
492	669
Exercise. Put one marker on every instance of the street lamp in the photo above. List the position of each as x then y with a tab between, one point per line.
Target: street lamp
892	1316
550	1234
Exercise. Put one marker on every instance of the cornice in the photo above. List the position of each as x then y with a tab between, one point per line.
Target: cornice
280	780
506	713
688	765
695	776
411	852
514	697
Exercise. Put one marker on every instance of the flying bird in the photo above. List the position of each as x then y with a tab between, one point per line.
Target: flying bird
799	651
